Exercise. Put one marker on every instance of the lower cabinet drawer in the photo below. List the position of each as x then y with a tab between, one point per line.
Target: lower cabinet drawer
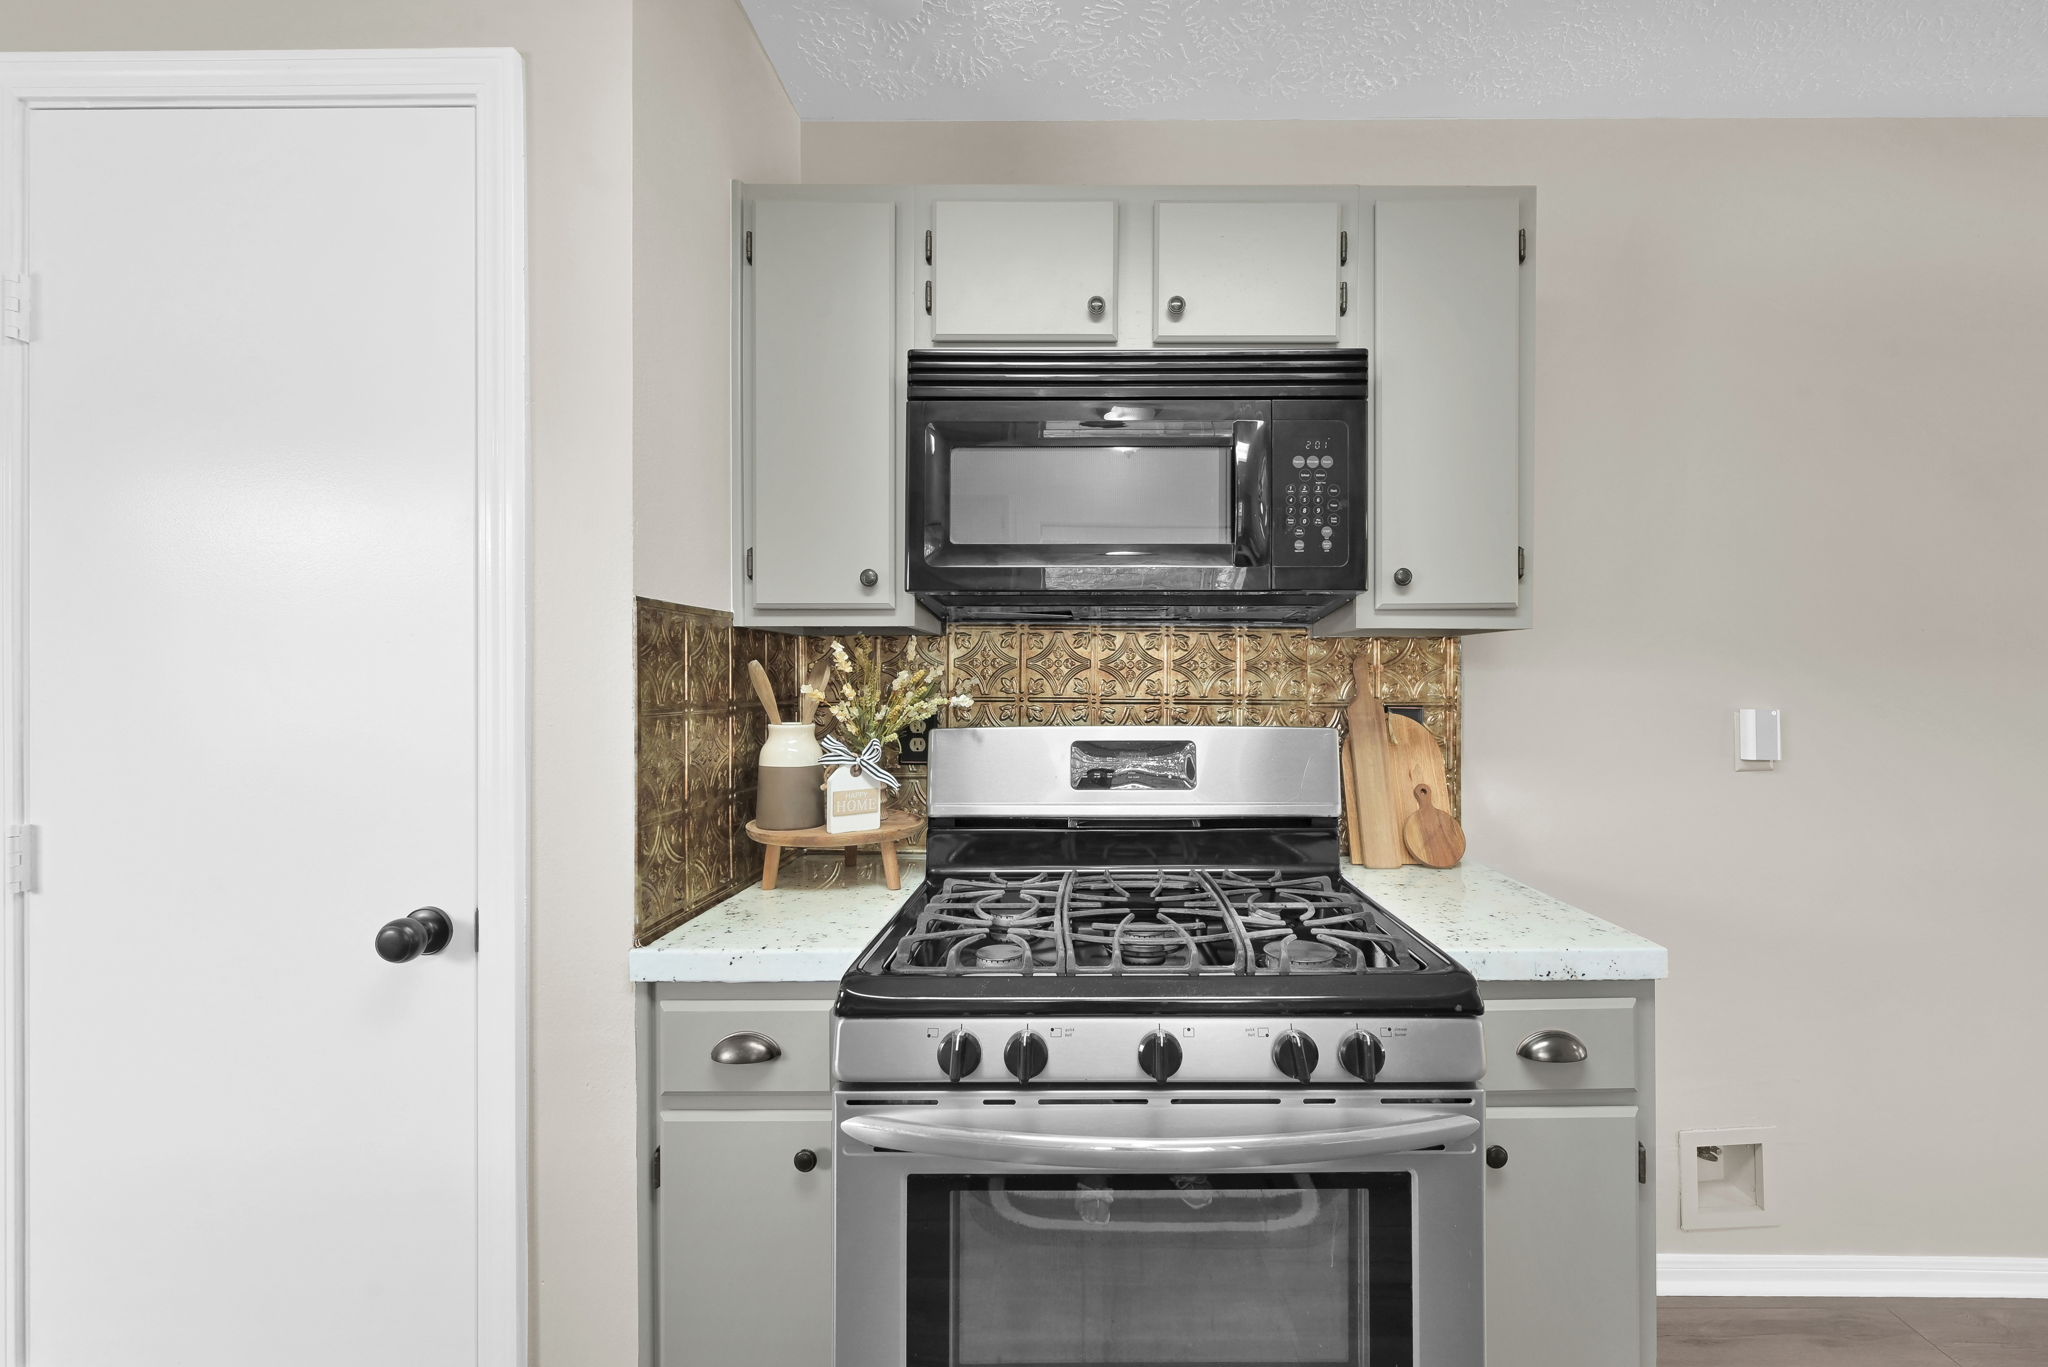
791	1039
1520	1034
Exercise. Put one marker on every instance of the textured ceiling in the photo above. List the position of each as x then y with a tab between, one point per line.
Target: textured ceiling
1362	59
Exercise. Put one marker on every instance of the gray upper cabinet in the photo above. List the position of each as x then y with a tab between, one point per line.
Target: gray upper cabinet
1447	365
821	412
1246	271
1024	270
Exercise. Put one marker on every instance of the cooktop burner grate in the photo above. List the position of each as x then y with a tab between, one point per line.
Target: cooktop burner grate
1145	922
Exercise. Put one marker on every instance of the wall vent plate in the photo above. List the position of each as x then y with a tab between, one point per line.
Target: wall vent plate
1721	1179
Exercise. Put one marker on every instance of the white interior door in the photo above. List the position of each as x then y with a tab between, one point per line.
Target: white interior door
250	689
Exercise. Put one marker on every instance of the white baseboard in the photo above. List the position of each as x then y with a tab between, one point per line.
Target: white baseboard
1827	1274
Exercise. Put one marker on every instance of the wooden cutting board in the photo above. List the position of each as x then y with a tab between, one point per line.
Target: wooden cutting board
1431	836
1376	822
1413	757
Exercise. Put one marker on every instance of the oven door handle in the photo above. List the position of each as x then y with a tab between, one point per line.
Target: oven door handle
1120	1139
1248	513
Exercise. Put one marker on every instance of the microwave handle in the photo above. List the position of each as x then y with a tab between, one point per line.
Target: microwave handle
1395	1131
1249	499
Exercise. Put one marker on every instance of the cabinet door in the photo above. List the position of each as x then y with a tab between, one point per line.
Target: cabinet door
822	404
1023	270
1245	272
1447	384
1563	1284
745	1239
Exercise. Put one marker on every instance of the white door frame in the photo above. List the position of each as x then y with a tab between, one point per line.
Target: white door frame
490	81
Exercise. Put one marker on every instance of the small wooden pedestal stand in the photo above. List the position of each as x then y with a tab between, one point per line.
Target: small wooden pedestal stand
896	828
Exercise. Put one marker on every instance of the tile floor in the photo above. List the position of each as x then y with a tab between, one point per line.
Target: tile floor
1743	1332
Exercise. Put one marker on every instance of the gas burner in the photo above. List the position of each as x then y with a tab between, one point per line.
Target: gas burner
1147	946
1290	955
1000	954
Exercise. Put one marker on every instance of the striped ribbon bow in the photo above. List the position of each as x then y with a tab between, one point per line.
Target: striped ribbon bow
868	761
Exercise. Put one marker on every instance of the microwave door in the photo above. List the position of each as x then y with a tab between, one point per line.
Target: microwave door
1051	489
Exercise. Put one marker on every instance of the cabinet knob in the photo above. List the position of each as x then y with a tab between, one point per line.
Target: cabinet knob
1175	307
1553	1046
1496	1156
748	1046
1097	305
1403	577
868	579
805	1160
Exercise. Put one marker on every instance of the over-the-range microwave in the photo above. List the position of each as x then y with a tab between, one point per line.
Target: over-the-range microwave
1155	486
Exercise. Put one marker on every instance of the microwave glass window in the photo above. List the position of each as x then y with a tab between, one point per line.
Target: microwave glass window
1090	495
1253	1271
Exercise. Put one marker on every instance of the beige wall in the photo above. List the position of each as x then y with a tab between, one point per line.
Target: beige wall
580	145
1791	451
708	109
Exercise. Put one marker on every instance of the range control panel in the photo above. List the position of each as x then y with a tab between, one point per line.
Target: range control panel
1313	481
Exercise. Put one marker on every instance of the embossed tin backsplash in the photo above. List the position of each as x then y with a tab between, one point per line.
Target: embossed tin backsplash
700	728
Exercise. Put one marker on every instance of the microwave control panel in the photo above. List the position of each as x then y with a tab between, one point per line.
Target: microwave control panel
1312	483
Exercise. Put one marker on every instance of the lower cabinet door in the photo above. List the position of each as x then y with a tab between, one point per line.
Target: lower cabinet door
1563	1270
745	1251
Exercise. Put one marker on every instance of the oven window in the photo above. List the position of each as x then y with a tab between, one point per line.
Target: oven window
1090	495
1286	1270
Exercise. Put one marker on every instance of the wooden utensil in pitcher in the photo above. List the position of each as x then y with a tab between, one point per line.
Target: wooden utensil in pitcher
765	691
814	690
1432	834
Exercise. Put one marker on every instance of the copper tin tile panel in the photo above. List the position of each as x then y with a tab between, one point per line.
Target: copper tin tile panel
700	728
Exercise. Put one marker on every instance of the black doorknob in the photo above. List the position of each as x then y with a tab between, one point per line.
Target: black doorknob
1403	577
805	1160
1295	1054
1159	1055
868	579
1496	1156
426	931
1025	1055
959	1055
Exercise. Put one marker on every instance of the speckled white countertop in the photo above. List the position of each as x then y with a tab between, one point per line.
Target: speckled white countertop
812	927
1504	931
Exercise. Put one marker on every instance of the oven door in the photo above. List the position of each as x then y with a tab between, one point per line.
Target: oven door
1080	1229
1011	495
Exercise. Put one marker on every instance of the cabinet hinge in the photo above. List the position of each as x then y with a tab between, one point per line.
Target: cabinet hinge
21	859
749	246
1642	1165
750	562
1344	248
927	246
1343	298
1521	563
654	1168
927	296
17	307
1521	245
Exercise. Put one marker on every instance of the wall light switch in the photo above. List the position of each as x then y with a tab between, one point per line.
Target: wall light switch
1756	736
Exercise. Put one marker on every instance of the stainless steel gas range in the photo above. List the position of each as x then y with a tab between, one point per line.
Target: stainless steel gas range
1135	1078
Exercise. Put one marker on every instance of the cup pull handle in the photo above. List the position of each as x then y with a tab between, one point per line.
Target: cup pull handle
747	1046
1553	1046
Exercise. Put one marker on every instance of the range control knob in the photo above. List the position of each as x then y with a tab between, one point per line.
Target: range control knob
1024	1055
1159	1055
959	1055
1295	1055
1362	1055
